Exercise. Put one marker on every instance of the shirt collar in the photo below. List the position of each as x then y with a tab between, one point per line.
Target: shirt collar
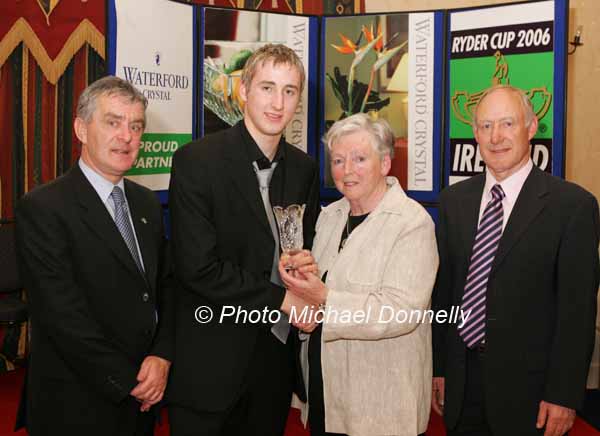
254	152
511	185
102	186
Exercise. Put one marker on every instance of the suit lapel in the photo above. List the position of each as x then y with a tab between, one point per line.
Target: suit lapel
99	221
140	215
530	202
243	177
469	211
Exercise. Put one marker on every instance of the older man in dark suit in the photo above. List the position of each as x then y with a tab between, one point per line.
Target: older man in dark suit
92	254
234	376
519	254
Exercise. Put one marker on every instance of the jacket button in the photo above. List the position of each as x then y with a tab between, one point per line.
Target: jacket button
145	297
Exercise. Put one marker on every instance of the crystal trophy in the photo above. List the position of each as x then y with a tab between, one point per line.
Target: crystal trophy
289	221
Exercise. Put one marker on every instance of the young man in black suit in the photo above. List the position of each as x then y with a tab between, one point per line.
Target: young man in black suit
92	255
528	276
235	377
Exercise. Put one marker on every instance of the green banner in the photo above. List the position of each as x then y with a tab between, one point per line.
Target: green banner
531	72
156	153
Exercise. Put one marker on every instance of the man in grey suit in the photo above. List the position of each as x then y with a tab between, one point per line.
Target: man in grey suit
518	252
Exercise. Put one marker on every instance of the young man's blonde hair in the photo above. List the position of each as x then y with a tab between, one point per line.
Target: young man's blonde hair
276	53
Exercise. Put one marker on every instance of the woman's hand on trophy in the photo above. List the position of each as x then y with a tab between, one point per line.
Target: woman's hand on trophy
306	286
298	264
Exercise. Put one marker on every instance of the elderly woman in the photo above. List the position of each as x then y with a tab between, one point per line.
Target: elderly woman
369	359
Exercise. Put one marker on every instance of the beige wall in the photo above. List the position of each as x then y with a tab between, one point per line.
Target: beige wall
583	88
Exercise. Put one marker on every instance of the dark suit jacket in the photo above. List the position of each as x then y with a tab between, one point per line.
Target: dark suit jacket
92	312
223	252
541	300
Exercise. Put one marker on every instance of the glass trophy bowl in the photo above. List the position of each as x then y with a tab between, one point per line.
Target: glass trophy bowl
289	222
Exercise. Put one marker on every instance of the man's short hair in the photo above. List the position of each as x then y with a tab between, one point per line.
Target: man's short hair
382	137
523	98
276	53
109	85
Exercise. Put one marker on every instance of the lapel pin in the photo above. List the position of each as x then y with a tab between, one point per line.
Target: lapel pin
144	220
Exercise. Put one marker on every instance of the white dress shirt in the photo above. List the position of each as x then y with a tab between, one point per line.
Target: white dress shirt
104	188
511	186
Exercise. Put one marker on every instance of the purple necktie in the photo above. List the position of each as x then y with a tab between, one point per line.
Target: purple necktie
482	256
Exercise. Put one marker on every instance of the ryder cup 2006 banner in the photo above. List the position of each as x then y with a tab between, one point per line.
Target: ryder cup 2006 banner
153	48
513	44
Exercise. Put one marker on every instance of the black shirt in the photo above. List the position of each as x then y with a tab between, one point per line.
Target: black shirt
255	154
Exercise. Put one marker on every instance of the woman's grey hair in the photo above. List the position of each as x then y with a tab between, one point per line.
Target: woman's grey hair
109	85
382	137
523	98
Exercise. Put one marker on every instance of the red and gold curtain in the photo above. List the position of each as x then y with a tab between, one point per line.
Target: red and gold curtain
49	51
46	47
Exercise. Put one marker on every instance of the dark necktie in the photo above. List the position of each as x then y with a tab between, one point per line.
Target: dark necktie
124	225
482	257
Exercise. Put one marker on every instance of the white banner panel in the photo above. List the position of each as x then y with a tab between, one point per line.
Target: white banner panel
160	64
499	16
420	101
297	40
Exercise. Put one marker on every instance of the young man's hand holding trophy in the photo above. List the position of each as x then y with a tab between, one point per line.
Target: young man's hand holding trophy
297	266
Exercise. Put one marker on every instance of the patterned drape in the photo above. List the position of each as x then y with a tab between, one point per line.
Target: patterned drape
49	51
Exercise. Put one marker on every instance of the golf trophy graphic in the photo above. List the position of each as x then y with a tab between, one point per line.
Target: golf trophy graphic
463	102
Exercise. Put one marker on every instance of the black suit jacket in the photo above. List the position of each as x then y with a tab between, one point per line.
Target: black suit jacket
93	315
541	299
223	252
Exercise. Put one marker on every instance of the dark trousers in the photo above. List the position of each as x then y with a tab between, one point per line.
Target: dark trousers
472	421
263	405
316	412
127	421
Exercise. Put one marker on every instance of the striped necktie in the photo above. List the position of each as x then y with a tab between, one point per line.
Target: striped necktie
124	225
482	257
